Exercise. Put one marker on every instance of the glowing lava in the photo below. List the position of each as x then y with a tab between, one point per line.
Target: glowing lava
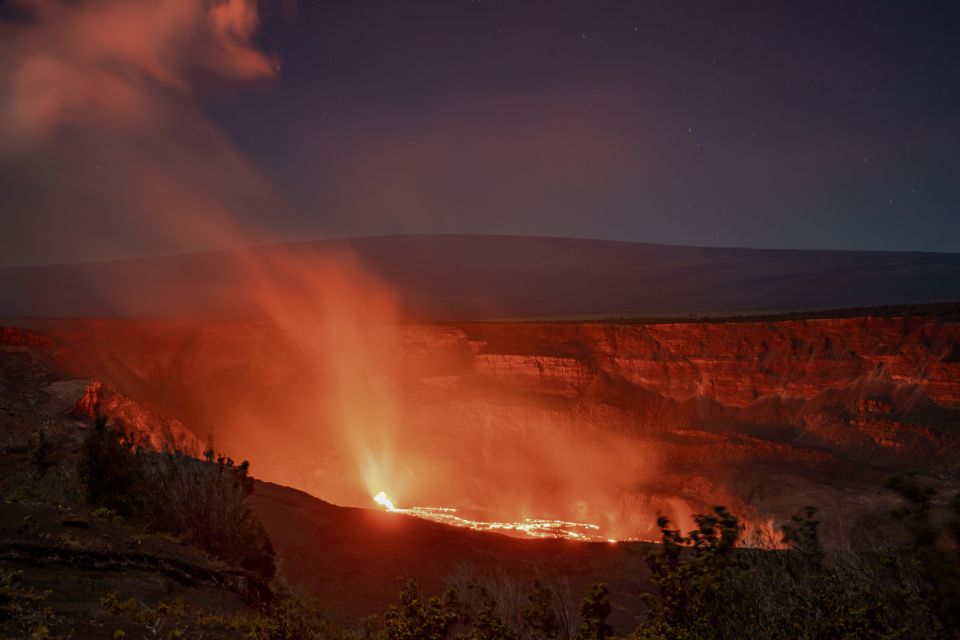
530	527
385	501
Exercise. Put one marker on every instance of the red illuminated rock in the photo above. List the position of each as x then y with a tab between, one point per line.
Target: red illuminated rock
608	422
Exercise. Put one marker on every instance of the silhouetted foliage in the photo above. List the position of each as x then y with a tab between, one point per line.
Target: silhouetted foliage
539	616
801	533
936	551
693	573
483	618
419	618
109	468
543	610
496	610
204	501
707	588
292	617
594	613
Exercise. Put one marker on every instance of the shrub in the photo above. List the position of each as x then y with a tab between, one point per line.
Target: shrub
203	501
543	611
937	552
707	588
22	607
693	574
539	616
419	618
594	613
483	618
491	606
291	617
109	468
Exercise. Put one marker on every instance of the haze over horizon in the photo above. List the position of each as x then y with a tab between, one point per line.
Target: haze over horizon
480	237
473	277
131	129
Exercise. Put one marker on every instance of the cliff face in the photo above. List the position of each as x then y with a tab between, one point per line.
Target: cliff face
32	358
853	385
735	364
643	418
830	403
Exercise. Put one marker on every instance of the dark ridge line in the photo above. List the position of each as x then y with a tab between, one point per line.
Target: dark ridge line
940	311
346	242
948	312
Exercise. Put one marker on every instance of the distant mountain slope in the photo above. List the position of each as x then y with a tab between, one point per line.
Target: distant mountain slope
477	277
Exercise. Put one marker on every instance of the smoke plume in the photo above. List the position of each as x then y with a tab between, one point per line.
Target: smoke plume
105	149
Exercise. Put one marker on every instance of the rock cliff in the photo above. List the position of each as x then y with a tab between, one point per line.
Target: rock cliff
557	418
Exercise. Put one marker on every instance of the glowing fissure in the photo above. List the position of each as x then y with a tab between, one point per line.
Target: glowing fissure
532	527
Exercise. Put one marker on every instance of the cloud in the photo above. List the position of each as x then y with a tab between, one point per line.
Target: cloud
107	63
105	149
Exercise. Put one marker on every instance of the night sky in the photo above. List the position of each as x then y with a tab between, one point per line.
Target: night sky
768	124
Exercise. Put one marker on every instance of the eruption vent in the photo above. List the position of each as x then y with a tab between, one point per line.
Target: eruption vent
384	500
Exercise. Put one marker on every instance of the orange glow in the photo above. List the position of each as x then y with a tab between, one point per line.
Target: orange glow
529	527
384	501
327	397
320	386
